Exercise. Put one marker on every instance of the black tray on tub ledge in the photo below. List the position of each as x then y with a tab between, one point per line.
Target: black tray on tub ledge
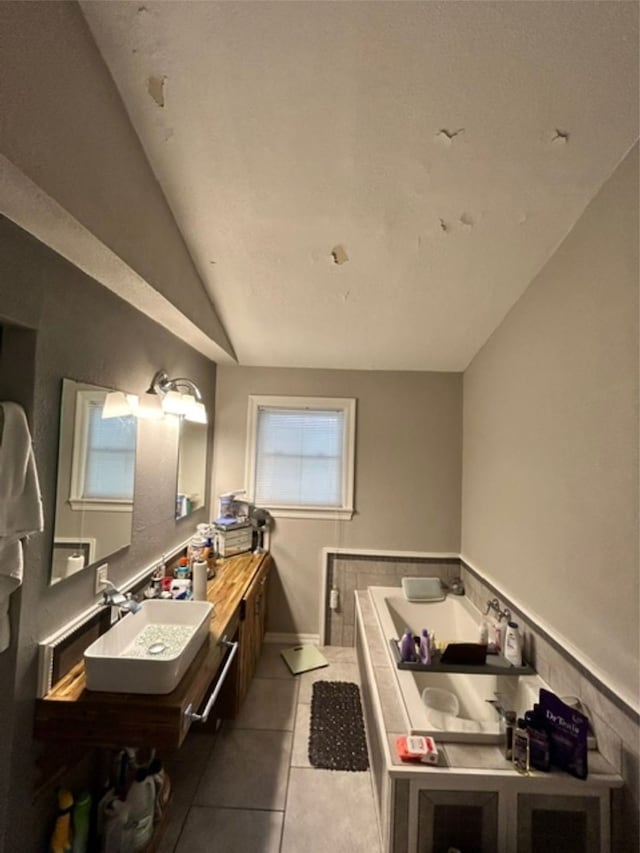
461	660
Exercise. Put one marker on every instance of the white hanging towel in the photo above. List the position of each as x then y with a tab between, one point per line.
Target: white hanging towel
20	505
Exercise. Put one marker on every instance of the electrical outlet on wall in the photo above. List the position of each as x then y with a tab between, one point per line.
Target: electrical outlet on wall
102	576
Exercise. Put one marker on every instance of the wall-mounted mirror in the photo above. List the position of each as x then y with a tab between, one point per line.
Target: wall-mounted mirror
192	463
94	491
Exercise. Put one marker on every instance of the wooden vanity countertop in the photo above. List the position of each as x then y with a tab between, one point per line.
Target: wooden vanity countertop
69	710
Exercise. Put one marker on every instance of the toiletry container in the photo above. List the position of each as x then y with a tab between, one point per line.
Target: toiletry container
118	832
509	726
483	637
513	644
425	647
408	647
61	836
521	747
199	574
141	802
81	823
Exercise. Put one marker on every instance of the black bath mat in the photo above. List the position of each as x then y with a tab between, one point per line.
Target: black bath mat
336	732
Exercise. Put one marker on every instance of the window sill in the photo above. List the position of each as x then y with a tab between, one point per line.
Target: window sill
100	505
332	514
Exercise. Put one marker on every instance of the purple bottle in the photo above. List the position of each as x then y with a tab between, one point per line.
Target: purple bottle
425	647
408	647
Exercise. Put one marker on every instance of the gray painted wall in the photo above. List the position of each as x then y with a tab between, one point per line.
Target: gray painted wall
408	472
73	327
550	467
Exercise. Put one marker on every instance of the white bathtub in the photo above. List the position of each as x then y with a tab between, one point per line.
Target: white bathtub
454	620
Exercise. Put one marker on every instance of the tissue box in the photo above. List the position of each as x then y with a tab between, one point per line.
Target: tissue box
417	748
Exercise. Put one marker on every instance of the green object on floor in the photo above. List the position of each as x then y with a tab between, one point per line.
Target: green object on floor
303	658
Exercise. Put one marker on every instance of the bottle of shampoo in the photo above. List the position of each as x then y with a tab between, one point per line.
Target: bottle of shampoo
408	647
425	647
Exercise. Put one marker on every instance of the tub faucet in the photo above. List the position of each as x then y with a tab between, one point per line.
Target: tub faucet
492	604
504	614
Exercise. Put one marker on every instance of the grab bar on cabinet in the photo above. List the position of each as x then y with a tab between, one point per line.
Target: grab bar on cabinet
193	716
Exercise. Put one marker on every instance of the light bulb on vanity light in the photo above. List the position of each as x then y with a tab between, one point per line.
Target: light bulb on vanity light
197	414
149	407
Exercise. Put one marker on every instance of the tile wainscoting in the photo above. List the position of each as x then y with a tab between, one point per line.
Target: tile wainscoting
616	725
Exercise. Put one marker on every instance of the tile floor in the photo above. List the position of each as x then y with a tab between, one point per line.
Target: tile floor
250	788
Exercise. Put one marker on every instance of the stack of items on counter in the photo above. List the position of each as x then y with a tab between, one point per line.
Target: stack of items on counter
233	528
189	577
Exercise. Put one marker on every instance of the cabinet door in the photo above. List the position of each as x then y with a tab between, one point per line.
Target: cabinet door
559	822
466	820
252	627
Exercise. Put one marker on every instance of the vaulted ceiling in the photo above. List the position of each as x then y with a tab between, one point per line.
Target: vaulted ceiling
373	184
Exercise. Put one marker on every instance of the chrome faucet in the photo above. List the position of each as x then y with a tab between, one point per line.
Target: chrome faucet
492	604
122	601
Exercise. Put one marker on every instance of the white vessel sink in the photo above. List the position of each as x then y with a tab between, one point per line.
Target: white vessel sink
148	651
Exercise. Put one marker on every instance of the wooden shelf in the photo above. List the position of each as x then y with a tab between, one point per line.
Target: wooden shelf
70	712
495	665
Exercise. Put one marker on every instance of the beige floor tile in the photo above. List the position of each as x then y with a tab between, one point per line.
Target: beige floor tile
300	750
230	831
328	810
247	769
333	672
270	663
270	704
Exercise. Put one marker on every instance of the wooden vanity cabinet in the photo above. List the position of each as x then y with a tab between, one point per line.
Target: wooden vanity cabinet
70	712
253	617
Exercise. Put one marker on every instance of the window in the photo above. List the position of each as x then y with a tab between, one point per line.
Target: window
104	457
300	455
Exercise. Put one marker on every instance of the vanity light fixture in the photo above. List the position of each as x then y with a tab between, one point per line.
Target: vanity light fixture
179	396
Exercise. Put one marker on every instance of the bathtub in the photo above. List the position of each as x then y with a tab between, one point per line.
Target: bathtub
453	620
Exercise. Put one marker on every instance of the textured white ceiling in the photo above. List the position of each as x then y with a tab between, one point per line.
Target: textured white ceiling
442	149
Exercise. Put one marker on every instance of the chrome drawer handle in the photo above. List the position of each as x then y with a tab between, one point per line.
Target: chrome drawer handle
211	701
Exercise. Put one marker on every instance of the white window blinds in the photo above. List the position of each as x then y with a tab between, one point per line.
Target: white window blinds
299	457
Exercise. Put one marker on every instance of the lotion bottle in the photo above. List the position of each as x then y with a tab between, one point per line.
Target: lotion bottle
513	644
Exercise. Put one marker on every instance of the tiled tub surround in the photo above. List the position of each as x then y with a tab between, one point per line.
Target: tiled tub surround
347	572
472	779
615	724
